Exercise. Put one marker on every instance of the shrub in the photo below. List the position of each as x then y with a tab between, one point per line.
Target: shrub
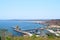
0	37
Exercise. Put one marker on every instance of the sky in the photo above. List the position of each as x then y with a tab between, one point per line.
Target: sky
29	9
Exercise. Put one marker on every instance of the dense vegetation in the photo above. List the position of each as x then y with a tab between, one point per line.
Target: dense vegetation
50	37
33	38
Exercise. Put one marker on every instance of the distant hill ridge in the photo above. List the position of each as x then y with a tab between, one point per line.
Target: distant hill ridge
53	22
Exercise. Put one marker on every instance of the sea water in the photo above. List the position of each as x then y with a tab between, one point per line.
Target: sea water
23	25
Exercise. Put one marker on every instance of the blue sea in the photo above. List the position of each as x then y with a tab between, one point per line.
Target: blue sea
24	25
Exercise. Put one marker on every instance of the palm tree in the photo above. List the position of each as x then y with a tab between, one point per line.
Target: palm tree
17	27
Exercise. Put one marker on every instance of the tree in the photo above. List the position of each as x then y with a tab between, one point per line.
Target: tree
3	31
